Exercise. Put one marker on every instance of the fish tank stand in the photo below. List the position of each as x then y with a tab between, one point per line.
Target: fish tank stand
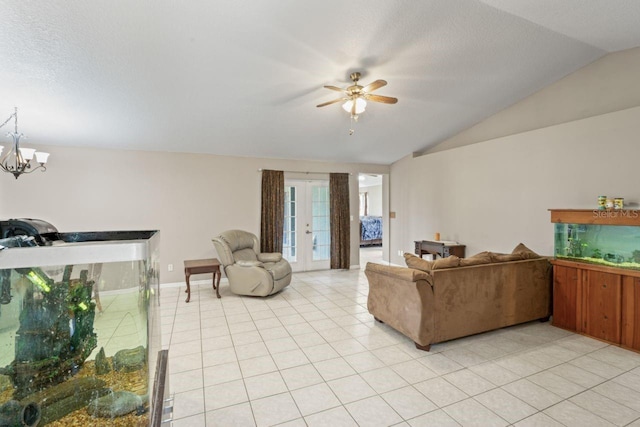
596	274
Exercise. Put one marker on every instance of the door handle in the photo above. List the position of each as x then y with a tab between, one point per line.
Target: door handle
308	232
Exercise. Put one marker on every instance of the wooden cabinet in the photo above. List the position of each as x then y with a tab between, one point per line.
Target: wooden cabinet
565	296
601	306
601	302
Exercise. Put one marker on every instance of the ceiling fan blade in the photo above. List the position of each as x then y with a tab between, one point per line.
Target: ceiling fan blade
380	98
374	85
331	102
337	89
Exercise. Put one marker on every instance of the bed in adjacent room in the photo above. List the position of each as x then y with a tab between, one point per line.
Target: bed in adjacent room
370	230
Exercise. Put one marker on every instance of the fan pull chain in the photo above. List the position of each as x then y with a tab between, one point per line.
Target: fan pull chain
354	120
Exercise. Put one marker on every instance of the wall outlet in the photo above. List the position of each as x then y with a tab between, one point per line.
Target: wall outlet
170	267
400	252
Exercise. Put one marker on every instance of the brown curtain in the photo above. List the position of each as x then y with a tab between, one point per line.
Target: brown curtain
272	216
339	219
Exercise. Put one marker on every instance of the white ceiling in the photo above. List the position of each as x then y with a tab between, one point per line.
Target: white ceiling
240	77
369	180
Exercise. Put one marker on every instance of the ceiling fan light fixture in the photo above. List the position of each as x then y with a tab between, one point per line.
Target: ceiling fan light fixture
360	105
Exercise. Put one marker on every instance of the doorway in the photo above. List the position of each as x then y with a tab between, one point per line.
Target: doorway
307	238
372	222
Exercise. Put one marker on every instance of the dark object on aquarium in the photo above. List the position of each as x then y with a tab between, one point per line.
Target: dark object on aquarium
43	232
19	233
13	413
18	242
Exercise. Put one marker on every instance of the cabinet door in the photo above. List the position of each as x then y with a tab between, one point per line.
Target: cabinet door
565	297
602	306
631	312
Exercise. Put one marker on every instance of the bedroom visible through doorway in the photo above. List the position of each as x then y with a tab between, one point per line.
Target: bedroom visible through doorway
370	215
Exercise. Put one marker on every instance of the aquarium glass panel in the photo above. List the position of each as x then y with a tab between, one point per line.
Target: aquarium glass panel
611	245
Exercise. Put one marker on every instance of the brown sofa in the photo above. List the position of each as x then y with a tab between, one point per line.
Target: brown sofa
452	301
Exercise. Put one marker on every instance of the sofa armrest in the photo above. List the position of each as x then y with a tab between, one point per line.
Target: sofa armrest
269	256
402	298
402	273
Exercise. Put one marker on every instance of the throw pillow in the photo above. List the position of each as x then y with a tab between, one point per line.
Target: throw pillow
477	259
417	262
505	257
525	252
448	262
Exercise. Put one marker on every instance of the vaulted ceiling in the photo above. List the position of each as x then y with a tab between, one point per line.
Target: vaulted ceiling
240	77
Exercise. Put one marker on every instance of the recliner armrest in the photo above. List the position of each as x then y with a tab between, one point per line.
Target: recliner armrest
249	264
269	256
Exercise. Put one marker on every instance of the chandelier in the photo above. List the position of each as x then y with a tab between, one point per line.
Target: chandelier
17	160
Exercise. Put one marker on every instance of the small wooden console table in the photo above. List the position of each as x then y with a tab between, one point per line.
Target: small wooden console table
442	248
201	266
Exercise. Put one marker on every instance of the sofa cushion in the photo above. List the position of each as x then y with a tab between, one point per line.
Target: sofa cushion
525	252
477	259
417	262
495	257
449	262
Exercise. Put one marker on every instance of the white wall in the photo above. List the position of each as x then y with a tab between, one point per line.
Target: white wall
374	196
495	194
188	197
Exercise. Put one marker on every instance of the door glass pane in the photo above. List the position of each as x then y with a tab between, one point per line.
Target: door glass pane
290	217
320	222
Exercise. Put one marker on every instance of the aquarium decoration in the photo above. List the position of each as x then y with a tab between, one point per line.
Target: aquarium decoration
56	334
13	413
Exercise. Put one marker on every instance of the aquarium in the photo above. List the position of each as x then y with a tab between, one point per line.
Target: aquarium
610	245
79	330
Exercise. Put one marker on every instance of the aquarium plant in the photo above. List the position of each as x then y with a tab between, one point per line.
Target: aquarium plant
575	248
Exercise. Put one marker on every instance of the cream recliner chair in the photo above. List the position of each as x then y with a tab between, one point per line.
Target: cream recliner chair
249	271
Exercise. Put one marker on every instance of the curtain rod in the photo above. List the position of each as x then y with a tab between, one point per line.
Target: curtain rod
307	172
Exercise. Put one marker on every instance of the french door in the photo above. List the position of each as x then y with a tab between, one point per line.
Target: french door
307	238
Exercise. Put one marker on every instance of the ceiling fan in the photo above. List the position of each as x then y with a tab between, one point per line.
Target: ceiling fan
356	96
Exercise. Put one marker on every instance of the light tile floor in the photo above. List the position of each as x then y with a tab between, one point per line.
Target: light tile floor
313	356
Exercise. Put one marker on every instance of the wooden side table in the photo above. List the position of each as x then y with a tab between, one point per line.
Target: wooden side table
442	248
202	266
